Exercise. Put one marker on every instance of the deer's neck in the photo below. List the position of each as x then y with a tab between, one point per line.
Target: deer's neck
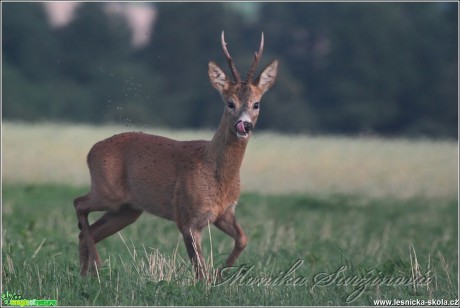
225	153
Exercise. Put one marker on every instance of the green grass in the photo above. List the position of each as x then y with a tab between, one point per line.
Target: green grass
273	163
147	264
380	208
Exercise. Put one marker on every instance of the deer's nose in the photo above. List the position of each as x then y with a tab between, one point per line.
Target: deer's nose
248	126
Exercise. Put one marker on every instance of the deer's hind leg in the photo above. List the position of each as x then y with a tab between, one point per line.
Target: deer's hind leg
111	222
89	258
118	216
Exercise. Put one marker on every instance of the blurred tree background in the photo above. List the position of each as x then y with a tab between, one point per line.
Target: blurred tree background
345	68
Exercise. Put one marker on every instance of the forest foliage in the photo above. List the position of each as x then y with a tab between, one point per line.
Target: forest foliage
345	68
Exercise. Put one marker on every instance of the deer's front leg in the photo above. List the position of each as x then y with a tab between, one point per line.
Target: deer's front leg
192	239
228	224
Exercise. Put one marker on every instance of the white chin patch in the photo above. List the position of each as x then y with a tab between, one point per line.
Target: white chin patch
242	135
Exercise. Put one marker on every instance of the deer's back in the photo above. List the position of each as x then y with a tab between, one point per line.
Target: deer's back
142	169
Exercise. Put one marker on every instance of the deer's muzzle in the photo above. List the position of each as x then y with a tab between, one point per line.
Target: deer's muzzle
243	128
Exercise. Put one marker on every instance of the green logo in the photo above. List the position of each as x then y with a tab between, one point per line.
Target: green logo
14	299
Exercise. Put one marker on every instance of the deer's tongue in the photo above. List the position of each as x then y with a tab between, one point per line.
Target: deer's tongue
240	127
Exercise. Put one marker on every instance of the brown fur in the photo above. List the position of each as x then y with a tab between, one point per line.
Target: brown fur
192	183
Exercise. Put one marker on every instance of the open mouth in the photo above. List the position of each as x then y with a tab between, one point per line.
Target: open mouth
242	129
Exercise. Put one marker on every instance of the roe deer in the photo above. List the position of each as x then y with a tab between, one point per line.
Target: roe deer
192	183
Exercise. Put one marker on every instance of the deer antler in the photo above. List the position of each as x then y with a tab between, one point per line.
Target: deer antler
256	60
235	73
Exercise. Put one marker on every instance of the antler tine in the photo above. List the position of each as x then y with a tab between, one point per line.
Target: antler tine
235	73
257	57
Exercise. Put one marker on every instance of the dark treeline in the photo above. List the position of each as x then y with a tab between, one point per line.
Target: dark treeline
345	68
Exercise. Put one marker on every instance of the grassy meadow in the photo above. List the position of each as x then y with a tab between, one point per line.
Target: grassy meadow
332	218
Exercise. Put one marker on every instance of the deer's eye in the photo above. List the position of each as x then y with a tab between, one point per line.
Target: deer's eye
231	105
256	106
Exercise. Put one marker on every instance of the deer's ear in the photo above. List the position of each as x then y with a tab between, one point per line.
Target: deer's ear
268	76
218	78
